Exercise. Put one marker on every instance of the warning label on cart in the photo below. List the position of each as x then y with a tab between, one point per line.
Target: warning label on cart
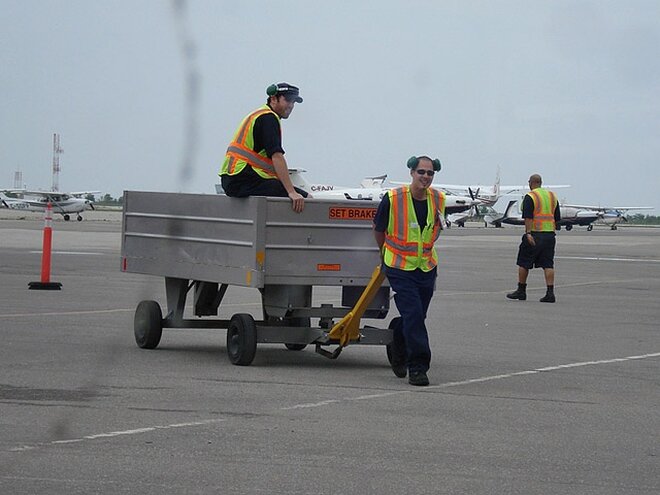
351	213
328	267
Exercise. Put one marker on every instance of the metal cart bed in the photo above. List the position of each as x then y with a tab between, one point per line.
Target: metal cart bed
206	243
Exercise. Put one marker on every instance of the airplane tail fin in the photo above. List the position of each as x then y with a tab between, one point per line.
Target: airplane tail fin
509	209
369	182
496	186
297	179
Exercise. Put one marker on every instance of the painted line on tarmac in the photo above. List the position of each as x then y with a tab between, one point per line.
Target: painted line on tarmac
75	252
598	258
323	403
67	313
99	311
113	434
557	286
476	380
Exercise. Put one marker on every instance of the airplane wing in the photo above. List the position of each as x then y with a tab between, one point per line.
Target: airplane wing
45	194
604	208
504	190
626	208
78	194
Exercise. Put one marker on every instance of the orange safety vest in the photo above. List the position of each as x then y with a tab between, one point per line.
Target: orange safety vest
406	246
545	203
241	153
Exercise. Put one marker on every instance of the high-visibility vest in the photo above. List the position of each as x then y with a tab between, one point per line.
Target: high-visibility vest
240	152
406	246
545	203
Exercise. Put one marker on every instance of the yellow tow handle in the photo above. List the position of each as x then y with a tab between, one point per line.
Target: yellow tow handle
348	328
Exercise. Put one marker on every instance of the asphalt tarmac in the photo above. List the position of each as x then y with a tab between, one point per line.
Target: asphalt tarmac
525	397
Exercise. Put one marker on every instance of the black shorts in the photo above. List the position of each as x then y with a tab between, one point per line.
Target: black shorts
540	256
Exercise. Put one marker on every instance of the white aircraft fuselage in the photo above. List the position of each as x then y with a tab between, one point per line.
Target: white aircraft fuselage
61	203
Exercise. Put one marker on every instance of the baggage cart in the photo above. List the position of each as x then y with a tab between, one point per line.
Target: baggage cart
206	243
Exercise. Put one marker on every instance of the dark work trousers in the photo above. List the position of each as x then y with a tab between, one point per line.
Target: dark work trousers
413	291
249	183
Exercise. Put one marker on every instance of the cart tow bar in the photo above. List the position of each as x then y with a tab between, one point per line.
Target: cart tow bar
330	355
348	328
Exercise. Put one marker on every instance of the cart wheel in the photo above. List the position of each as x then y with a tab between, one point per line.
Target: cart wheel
241	339
295	347
388	348
298	322
148	324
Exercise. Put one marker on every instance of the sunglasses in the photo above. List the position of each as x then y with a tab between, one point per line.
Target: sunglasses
421	171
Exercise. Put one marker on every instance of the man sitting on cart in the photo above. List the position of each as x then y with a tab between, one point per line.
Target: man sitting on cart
254	164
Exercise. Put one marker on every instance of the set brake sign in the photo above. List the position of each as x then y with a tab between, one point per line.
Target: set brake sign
351	213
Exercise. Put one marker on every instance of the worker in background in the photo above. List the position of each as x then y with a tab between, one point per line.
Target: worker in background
540	209
406	226
254	164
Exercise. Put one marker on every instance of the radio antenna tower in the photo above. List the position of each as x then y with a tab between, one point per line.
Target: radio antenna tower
56	162
18	180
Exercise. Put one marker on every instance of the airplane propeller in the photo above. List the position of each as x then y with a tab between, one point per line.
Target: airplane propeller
474	196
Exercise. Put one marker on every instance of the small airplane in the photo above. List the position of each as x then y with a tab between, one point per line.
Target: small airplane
63	203
570	216
611	215
488	195
371	189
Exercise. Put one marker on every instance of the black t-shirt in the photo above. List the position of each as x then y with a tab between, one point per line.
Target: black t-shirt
382	217
528	208
267	135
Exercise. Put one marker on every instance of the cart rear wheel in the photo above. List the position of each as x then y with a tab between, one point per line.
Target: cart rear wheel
242	339
298	322
148	324
388	348
295	347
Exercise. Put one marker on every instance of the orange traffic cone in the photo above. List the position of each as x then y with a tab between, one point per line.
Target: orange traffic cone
45	283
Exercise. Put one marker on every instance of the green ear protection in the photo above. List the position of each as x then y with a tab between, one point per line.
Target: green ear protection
413	161
272	90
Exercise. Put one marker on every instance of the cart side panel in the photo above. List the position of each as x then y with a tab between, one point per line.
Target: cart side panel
193	236
329	243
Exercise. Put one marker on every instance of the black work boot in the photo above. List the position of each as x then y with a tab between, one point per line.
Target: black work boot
549	295
418	378
520	293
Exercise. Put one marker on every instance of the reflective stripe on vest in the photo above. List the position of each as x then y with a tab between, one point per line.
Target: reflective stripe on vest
406	247
240	152
545	203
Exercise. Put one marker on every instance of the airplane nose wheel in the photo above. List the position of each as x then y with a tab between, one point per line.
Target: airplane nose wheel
79	218
590	228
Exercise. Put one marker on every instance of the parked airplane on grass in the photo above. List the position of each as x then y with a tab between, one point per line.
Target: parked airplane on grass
63	203
371	188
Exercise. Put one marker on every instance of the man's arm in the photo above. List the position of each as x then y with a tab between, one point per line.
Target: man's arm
528	215
282	172
380	238
380	222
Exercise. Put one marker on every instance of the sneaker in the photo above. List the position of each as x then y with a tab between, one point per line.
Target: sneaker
521	296
549	298
418	378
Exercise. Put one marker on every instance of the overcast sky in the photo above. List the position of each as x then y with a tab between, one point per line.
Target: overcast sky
568	89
